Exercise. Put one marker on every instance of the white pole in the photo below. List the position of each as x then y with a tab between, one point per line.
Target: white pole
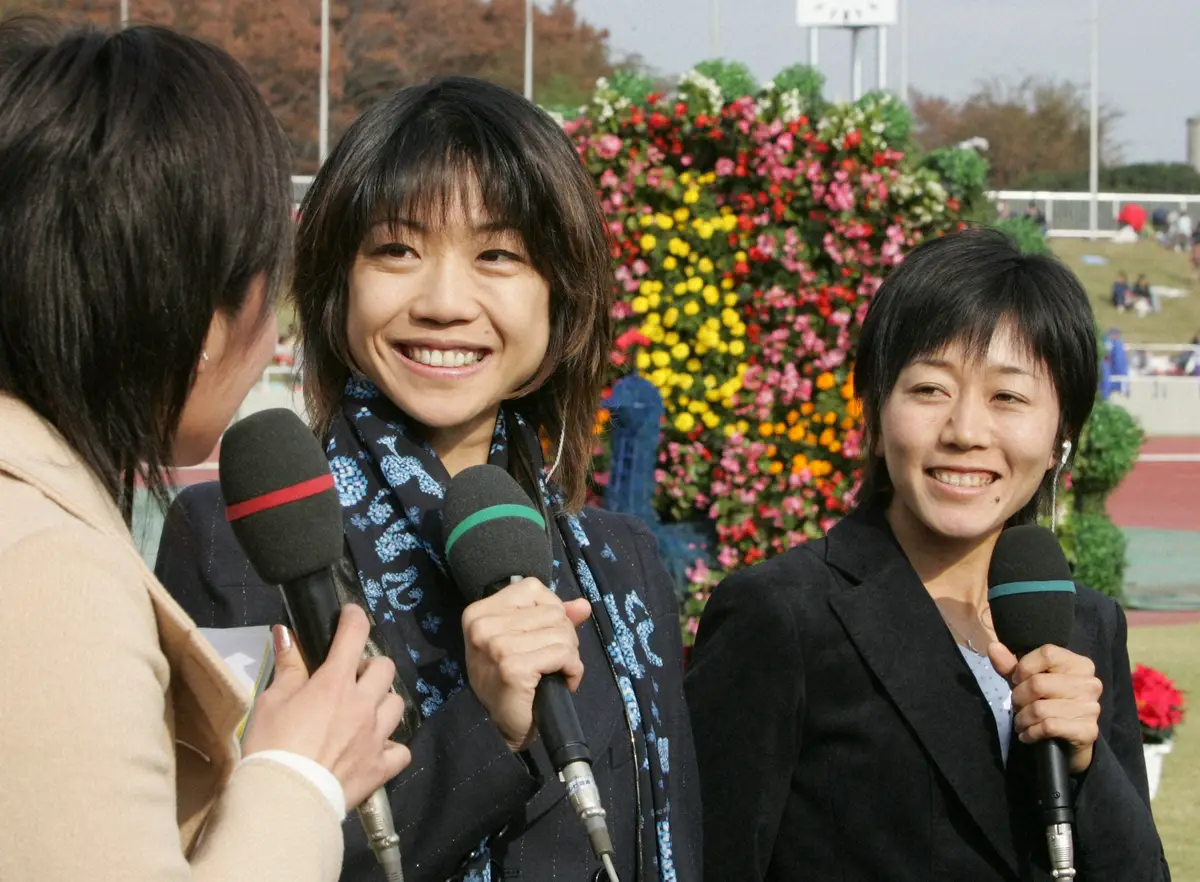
883	58
529	49
1093	207
814	47
716	28
904	50
323	111
856	64
124	13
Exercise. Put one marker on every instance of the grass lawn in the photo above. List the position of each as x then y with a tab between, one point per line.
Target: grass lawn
1179	319
1175	650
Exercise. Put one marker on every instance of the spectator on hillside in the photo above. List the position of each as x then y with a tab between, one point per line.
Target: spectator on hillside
1122	298
1144	300
1035	214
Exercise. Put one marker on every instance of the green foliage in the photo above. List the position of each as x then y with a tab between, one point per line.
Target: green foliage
1099	554
632	84
807	82
732	77
963	172
896	117
1148	177
1026	233
1108	448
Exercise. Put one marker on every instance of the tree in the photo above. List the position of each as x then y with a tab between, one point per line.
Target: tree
1038	125
377	46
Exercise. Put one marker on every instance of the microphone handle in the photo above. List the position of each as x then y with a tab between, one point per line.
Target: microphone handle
556	720
313	608
1054	783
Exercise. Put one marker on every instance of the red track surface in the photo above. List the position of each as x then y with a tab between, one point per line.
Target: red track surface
1161	495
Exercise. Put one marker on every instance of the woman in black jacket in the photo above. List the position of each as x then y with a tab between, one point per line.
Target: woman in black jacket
453	288
855	716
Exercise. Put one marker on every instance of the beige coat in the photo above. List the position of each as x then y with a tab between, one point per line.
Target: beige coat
116	716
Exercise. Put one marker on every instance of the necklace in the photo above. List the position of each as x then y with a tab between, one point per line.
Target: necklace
959	637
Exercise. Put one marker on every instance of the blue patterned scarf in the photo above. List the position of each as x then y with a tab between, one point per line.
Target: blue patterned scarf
391	485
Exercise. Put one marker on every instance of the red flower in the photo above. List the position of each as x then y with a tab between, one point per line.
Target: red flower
632	337
1160	705
853	139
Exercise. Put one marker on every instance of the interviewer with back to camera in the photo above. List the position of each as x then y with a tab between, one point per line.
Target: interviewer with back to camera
855	717
144	234
453	287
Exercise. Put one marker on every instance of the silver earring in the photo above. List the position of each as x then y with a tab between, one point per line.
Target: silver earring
562	440
204	355
1066	453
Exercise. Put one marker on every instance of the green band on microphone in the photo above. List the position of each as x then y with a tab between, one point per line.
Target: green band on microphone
493	513
1063	585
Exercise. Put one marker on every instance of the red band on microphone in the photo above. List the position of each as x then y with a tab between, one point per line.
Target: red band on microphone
276	498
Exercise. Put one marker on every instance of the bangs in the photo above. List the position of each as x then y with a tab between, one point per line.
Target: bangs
441	164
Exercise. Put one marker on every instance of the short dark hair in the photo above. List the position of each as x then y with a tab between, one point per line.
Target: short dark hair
143	185
957	289
412	156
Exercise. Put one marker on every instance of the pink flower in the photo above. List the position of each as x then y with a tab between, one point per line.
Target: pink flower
608	146
724	167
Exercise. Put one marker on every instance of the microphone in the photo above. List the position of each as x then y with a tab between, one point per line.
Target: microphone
1032	599
493	537
282	506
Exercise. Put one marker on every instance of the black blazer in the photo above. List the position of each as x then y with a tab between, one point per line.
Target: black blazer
841	735
464	784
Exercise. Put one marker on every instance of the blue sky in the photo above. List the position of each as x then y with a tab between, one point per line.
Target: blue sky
1150	50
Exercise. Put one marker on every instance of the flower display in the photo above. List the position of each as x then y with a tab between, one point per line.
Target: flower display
750	232
1160	705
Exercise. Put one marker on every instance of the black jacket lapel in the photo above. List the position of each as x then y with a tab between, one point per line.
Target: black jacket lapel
902	638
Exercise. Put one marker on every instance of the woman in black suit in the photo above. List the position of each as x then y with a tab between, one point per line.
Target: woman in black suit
453	287
855	717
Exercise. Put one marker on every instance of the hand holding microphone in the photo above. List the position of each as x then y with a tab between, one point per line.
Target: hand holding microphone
513	638
340	717
1056	695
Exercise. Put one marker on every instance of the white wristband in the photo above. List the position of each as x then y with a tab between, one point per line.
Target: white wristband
320	777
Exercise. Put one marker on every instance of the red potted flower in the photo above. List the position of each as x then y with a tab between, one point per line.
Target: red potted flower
1160	709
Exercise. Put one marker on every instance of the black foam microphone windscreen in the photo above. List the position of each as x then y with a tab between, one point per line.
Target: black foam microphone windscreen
493	532
279	495
1030	590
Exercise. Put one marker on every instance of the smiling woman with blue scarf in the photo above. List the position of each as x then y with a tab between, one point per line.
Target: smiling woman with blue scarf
453	287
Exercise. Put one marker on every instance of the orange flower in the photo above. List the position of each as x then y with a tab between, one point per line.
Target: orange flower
835	447
854	408
825	381
799	462
780	428
771	450
848	387
765	429
792	417
806	408
830	418
797	433
776	467
827	438
847	423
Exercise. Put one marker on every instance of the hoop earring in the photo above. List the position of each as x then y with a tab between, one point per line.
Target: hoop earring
562	441
1062	462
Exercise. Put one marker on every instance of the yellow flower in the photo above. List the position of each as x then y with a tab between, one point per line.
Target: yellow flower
738	330
680	351
705	231
743	426
695	284
643	360
693	365
646	220
729	430
711	296
681	287
648	242
688	271
681	215
670	263
726	284
713	395
640	304
646	287
671	339
670	317
710	382
731	299
654	301
691	196
730	222
685	422
684	381
691	307
685	178
664	221
710	420
652	319
722	347
660	358
737	347
706	265
729	318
